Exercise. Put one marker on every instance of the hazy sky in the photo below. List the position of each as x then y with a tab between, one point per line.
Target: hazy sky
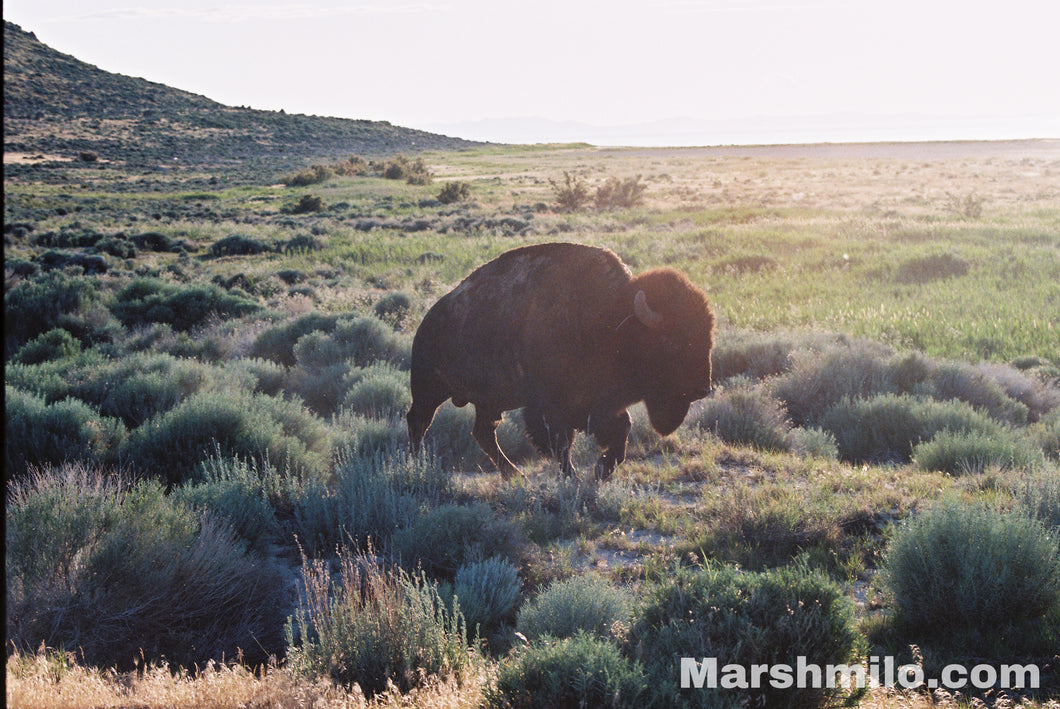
988	69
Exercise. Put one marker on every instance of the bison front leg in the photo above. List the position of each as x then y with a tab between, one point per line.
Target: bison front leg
550	438
611	434
485	432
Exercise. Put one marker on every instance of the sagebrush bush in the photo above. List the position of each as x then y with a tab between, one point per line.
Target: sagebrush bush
572	194
149	300
57	343
277	343
925	269
54	299
967	574
445	538
455	191
1047	434
39	433
359	341
813	442
392	308
586	603
620	194
751	354
368	436
818	380
367	499
1032	390
374	627
142	386
487	592
239	245
888	427
233	490
172	446
969	384
975	452
121	572
747	618
380	390
581	671
1040	497
746	416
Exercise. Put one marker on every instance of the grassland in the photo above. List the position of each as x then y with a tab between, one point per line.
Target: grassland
925	278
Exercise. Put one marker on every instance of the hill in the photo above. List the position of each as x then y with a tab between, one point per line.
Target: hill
58	105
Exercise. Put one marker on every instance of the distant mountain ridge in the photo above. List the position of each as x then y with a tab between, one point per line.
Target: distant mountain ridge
56	104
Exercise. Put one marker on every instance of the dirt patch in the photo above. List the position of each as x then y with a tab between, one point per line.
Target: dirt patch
33	158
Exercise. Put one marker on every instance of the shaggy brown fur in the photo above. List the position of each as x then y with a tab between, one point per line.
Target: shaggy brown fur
563	330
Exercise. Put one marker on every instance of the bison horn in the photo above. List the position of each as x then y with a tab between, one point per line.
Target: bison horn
644	312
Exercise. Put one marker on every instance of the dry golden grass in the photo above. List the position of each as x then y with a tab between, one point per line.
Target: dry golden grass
941	699
48	681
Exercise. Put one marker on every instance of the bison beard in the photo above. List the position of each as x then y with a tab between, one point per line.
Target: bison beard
569	334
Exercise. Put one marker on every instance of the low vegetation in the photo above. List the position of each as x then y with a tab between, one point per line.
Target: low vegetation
206	377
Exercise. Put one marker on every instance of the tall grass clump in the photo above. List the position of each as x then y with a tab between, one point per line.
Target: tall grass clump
581	671
115	570
972	577
747	618
374	626
487	592
587	603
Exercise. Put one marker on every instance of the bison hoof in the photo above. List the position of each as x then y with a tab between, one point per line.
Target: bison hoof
604	469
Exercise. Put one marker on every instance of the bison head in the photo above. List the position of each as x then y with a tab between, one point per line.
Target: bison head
672	337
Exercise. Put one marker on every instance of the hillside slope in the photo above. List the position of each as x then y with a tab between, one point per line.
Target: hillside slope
58	105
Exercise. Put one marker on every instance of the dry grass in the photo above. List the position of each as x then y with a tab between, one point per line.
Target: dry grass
941	699
50	681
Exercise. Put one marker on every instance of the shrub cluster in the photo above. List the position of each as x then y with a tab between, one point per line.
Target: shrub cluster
455	191
446	538
747	618
173	445
99	565
150	300
971	576
487	592
586	603
581	671
814	392
620	194
39	433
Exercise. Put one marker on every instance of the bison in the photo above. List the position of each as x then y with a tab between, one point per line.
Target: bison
566	332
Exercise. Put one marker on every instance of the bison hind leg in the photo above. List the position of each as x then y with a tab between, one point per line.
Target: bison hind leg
485	433
428	393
